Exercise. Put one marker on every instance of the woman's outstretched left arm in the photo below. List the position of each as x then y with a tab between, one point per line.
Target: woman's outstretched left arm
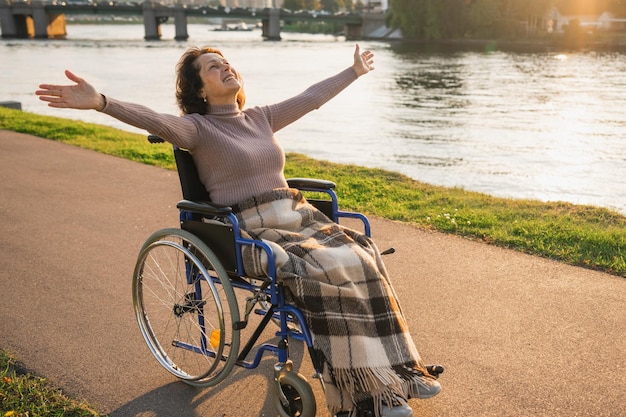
290	110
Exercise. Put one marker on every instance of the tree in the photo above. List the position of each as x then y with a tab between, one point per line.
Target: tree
416	18
311	4
449	19
574	35
484	18
454	18
505	18
300	4
332	6
428	19
293	5
532	13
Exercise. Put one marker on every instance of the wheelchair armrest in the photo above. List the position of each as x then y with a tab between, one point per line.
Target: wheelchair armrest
206	208
310	183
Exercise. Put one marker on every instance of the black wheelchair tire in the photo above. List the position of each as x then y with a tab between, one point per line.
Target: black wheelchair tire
169	301
299	394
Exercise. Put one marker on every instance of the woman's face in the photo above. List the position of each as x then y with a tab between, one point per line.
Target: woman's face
220	82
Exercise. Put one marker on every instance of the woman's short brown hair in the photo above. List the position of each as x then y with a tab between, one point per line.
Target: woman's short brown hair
189	83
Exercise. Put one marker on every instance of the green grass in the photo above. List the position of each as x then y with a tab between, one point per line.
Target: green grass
579	235
586	236
89	136
26	395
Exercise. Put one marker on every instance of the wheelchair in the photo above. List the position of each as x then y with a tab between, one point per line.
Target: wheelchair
184	298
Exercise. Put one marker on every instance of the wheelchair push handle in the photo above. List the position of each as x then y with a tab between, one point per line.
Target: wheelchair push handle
155	139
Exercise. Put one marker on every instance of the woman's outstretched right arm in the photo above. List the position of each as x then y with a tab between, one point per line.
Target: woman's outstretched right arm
82	95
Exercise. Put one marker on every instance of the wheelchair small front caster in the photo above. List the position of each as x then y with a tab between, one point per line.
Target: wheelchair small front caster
294	396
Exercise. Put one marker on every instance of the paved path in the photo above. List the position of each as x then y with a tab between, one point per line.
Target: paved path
519	335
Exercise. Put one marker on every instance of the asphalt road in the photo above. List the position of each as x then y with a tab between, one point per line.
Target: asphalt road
518	335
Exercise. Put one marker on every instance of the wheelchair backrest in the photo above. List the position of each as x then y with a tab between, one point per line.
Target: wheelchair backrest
194	190
192	187
218	236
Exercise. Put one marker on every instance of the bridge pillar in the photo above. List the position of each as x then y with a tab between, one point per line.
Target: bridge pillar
40	20
8	23
151	22
354	32
271	26
56	26
180	23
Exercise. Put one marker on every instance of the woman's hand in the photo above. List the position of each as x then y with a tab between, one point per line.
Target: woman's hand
363	61
81	95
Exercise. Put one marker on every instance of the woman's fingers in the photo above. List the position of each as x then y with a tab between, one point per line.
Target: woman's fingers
80	95
54	97
70	75
367	57
55	90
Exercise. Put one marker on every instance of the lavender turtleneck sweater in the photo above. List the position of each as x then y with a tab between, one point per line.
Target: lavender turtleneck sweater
235	151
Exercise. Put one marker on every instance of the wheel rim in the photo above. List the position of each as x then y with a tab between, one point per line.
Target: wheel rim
294	408
191	337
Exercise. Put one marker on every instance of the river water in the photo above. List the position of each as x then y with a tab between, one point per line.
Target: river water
545	125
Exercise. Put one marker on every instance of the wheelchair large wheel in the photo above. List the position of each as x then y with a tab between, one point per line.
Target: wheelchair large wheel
186	308
299	395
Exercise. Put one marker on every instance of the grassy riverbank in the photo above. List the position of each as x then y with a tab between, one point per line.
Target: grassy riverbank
585	236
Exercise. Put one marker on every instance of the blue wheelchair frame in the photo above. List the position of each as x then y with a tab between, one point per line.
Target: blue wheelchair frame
279	309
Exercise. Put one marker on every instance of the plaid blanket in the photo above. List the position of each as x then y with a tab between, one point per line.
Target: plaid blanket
336	277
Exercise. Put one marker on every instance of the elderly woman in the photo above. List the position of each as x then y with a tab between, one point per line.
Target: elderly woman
333	274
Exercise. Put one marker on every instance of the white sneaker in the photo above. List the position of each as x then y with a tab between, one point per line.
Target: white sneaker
426	388
397	411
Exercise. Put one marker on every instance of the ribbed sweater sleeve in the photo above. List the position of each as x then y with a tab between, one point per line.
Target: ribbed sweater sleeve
177	130
290	110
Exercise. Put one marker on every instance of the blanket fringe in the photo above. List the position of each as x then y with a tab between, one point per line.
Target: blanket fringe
381	385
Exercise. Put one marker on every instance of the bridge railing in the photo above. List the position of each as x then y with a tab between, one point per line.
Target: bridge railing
21	18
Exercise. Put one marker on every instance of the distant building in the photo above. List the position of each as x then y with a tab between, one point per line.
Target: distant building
607	21
257	4
604	21
374	5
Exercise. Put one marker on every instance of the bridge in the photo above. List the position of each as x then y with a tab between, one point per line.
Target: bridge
38	19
